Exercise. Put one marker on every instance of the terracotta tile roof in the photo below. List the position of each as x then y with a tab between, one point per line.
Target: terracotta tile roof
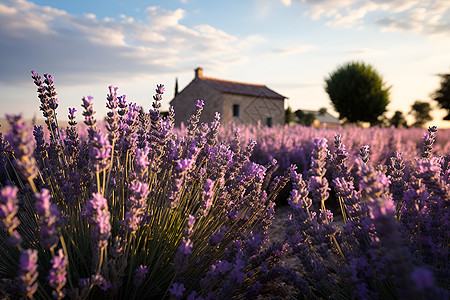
232	87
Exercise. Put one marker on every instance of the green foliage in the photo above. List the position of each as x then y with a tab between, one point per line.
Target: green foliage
398	120
421	112
442	95
322	111
288	116
357	93
304	118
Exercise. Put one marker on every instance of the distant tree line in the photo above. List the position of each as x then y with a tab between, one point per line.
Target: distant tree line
359	95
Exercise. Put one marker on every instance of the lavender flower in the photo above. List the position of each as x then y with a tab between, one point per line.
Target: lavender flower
339	158
195	117
428	140
177	290
8	211
158	97
141	273
112	116
318	182
213	132
100	152
72	141
8	208
88	114
57	275
28	272
46	94
5	149
207	195
299	193
136	205
182	256
186	247
71	116
41	145
364	153
123	106
96	211
49	219
22	143
189	229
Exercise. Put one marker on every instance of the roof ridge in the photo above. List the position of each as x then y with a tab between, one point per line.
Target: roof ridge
231	81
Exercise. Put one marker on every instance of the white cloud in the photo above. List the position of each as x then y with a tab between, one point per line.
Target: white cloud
292	50
69	46
428	16
286	2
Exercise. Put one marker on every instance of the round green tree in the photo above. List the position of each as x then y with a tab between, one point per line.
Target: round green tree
442	95
357	93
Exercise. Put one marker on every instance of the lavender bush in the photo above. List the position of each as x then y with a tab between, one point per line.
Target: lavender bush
133	211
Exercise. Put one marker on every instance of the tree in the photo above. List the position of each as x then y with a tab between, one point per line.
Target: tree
398	120
421	112
442	95
304	118
288	116
322	111
358	93
176	86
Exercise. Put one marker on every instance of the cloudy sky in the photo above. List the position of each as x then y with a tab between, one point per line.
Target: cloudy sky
289	45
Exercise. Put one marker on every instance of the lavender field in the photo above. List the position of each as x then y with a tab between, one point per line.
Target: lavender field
133	208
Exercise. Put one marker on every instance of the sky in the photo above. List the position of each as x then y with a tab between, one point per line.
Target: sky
288	45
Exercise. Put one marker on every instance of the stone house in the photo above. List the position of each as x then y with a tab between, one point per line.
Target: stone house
243	103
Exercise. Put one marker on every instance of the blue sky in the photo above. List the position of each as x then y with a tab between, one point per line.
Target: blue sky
288	45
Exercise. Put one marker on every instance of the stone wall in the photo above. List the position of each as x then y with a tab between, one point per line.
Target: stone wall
184	102
253	109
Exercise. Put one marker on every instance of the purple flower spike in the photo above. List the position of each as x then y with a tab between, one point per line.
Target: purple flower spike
200	103
97	213
189	226
141	273
28	272
23	144
9	208
160	89
72	111
89	115
49	219
207	195
364	153
100	152
186	247
177	290
428	140
57	275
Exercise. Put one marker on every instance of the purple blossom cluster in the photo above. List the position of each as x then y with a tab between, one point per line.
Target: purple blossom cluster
22	143
98	216
49	219
57	275
8	213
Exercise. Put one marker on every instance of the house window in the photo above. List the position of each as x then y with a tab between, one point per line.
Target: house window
235	110
269	122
